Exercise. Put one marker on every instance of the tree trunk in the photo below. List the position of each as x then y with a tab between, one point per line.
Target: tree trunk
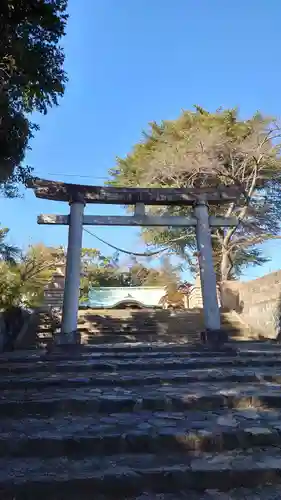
226	266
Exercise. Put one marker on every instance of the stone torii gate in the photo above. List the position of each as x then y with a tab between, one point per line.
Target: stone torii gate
79	195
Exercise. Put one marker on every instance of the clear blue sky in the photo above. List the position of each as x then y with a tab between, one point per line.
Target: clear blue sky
134	61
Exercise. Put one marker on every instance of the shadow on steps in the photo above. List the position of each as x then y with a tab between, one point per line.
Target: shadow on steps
149	325
110	326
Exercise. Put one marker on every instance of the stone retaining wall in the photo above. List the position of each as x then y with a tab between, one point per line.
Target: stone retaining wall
258	303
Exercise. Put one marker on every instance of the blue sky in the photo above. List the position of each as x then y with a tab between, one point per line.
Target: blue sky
134	61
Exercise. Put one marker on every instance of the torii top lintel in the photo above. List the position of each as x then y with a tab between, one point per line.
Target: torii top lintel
61	191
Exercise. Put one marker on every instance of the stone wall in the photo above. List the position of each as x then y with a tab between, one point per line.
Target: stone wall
258	303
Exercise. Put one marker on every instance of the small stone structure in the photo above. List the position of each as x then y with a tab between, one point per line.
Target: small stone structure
53	296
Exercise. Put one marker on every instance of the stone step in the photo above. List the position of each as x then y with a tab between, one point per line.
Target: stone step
141	363
183	352
110	354
128	322
268	492
135	325
117	332
129	340
125	317
41	380
139	329
123	338
191	332
122	326
140	326
87	338
138	421
253	348
233	323
152	432
205	396
119	476
169	321
121	332
94	338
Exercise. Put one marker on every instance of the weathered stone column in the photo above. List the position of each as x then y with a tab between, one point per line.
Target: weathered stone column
207	271
69	334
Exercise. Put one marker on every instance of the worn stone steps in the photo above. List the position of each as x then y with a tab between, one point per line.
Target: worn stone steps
251	348
128	379
141	363
203	396
134	344
95	339
131	474
99	339
88	339
269	492
139	328
117	330
149	432
126	326
141	420
190	324
111	353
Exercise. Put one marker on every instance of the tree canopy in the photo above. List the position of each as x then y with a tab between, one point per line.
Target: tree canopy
32	77
23	280
8	253
204	149
98	270
24	275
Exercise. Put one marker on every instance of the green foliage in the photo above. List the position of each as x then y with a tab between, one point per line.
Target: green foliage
202	149
36	269
23	282
8	253
23	277
31	77
8	285
247	257
98	270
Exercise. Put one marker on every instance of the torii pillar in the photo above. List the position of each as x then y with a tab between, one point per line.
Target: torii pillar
69	332
211	309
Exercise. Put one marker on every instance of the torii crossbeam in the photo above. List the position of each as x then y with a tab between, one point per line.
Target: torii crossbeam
79	195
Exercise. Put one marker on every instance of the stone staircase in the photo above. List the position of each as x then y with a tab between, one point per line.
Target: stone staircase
99	326
141	420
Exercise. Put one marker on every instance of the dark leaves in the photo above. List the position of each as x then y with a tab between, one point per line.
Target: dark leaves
32	77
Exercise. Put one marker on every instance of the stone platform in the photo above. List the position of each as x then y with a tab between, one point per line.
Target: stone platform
141	421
